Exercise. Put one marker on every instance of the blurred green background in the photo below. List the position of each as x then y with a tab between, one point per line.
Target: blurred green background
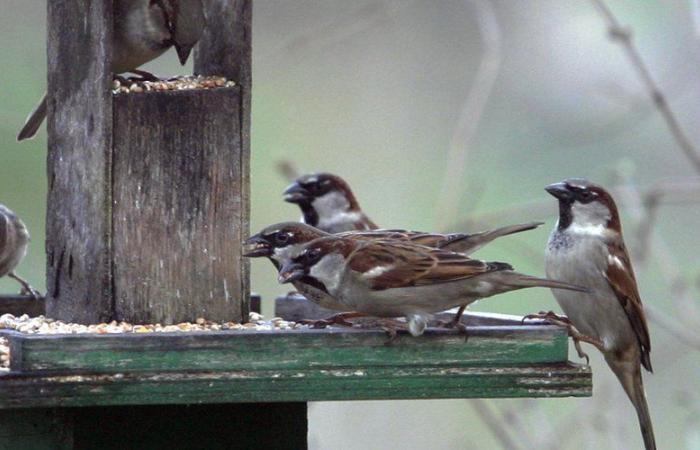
380	91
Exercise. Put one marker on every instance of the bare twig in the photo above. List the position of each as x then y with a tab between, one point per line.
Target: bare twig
623	35
471	112
500	432
288	169
683	191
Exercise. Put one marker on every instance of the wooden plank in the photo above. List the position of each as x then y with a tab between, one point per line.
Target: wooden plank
225	49
290	350
79	125
177	230
18	305
295	307
355	382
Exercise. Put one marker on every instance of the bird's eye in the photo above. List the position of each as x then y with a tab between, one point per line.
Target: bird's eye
282	238
586	196
313	253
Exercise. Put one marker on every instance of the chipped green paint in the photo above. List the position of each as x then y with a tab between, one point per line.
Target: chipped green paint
297	365
287	350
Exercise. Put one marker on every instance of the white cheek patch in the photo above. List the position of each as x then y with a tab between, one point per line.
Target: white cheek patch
284	254
330	204
374	272
329	271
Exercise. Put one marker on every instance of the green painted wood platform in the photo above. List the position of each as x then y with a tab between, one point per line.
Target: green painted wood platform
506	360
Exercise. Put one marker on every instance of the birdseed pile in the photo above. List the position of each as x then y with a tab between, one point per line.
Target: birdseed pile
44	325
122	86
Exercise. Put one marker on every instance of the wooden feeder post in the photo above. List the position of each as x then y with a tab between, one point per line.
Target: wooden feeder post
148	199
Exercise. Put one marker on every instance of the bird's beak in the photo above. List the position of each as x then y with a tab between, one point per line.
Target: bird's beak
183	53
290	272
295	193
258	247
559	190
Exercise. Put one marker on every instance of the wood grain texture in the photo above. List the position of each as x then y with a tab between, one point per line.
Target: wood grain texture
354	382
22	304
79	126
225	49
295	307
178	213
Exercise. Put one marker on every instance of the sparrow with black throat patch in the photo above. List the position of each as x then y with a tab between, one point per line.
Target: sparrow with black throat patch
586	248
283	241
390	278
143	30
327	203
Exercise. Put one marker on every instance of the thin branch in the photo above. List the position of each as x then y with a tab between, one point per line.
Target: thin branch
472	110
623	35
500	432
680	192
288	169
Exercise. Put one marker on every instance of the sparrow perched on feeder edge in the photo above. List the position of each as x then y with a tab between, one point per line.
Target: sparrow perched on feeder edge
283	241
586	248
390	278
143	30
14	239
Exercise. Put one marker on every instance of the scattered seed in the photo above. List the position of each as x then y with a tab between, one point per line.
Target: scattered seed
173	84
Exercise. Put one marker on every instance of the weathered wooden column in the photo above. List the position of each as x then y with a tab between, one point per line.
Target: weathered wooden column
148	192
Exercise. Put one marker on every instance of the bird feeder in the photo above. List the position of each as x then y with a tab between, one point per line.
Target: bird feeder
148	207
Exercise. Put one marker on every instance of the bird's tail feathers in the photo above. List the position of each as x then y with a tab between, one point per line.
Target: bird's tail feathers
525	281
469	243
34	121
633	385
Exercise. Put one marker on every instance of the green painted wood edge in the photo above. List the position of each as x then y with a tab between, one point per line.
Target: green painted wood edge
354	383
284	350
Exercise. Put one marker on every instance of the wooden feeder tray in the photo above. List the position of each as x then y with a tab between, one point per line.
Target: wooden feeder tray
501	358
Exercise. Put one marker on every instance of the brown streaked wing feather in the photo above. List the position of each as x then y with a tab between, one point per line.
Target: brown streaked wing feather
624	285
434	240
409	264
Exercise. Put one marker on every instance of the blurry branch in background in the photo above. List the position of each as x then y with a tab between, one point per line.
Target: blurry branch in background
343	29
472	110
288	169
681	191
623	35
497	425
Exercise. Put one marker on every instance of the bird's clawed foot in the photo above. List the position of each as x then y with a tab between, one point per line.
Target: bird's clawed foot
27	289
392	327
336	319
576	336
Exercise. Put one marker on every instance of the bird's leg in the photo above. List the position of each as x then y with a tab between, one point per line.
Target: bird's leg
27	289
335	319
454	323
576	335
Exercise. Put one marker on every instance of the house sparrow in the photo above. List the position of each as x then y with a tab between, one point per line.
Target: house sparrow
390	278
586	248
327	203
14	238
283	241
143	30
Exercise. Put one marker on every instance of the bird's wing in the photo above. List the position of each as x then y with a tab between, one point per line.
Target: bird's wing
435	240
394	264
620	276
